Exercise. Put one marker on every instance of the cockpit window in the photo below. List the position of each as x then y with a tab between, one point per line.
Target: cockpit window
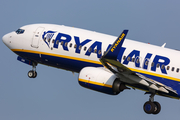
20	31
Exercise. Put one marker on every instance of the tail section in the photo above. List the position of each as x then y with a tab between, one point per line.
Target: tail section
114	50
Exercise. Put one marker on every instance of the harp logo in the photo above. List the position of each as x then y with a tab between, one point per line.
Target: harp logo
47	37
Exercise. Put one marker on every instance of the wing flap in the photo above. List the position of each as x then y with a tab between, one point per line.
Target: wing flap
162	89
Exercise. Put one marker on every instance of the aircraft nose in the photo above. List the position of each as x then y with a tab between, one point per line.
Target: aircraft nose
5	39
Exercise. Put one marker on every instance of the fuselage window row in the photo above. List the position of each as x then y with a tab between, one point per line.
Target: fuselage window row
80	47
152	64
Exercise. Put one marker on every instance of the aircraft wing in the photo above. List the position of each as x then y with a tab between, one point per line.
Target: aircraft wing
110	61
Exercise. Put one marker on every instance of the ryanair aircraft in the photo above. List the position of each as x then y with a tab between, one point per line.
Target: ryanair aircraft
105	63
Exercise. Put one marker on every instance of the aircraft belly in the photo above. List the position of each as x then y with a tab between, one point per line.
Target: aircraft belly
58	62
76	66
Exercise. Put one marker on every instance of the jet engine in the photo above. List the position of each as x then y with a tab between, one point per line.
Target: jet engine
101	80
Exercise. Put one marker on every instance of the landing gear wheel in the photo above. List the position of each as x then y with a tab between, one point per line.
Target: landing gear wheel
35	74
32	74
149	107
157	108
152	107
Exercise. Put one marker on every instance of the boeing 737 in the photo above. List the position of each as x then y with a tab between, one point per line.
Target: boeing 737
105	63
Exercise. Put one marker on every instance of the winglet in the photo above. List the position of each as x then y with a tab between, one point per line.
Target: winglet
113	51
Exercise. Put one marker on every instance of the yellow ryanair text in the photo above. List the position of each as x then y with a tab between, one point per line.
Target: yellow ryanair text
117	42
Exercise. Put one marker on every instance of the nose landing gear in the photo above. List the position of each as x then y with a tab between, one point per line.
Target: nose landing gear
32	73
151	106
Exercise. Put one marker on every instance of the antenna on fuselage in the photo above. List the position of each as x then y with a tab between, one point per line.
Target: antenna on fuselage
163	45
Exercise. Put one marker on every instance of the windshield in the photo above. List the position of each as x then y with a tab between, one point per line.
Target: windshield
20	31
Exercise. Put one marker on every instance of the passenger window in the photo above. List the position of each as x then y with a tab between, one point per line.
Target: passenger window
137	60
49	40
177	70
53	41
163	66
172	69
157	65
57	42
95	51
128	58
70	45
90	49
152	64
133	59
99	52
75	46
168	67
66	44
124	57
62	42
80	47
85	48
146	63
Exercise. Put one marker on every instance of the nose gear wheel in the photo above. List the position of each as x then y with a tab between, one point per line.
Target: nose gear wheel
32	73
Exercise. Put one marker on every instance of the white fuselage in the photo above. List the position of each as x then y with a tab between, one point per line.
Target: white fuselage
73	48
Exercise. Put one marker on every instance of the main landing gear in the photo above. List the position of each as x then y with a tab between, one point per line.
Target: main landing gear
32	73
151	106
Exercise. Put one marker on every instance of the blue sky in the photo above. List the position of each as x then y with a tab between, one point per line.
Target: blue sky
55	93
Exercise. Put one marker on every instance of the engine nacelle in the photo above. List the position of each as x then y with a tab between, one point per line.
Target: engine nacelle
100	80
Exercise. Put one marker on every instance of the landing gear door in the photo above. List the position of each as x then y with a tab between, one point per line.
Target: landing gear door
36	37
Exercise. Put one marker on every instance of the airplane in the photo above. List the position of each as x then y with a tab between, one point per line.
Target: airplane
105	63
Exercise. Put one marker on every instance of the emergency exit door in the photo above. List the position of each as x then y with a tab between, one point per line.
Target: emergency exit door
36	37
